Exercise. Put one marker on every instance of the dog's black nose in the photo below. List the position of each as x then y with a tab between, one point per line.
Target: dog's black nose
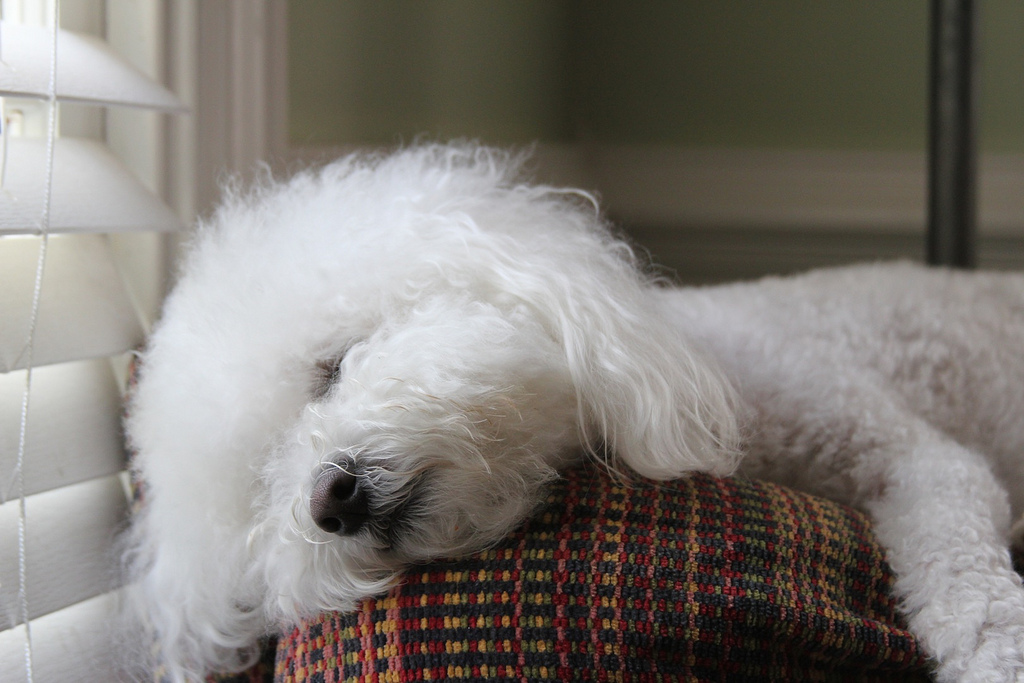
339	503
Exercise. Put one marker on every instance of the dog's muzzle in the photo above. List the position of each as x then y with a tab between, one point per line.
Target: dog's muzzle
339	503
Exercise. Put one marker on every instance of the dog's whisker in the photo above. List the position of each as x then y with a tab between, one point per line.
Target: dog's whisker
298	528
250	539
304	533
317	441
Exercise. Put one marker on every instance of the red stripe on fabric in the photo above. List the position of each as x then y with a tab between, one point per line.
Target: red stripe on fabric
393	622
333	626
368	654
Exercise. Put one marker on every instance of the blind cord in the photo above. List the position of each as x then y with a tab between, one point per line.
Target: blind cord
44	230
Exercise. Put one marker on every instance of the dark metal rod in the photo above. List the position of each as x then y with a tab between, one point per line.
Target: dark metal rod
952	147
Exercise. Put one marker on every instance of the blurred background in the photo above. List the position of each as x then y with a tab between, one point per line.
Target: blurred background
729	138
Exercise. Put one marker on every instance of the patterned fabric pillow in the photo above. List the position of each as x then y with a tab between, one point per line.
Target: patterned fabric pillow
702	580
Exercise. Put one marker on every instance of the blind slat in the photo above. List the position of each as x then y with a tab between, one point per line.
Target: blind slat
91	191
68	645
88	71
68	546
85	310
74	429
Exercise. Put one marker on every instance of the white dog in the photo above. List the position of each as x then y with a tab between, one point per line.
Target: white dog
385	361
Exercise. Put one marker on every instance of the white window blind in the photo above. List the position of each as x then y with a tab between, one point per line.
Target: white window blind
77	276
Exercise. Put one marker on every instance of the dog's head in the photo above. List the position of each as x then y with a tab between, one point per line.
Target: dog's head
383	362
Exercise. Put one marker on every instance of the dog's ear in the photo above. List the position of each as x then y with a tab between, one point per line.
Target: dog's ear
647	394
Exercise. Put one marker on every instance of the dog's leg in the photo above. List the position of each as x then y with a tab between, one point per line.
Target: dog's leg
944	521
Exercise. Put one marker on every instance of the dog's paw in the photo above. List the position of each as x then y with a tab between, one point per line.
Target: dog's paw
975	628
997	658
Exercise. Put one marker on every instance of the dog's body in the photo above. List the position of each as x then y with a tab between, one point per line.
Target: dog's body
385	361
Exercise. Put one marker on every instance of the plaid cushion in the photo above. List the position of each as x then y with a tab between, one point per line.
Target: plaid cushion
702	579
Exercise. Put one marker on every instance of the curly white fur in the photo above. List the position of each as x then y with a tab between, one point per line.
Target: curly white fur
479	334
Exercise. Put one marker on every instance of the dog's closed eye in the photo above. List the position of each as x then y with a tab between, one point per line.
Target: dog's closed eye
326	375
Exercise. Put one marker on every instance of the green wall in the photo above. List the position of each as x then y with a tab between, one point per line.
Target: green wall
817	74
